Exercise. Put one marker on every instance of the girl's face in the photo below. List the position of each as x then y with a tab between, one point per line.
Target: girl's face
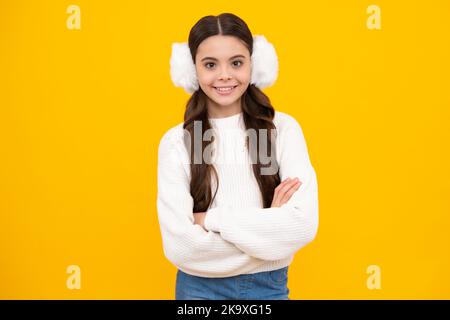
222	62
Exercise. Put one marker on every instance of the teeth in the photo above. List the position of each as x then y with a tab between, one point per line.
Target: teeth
225	89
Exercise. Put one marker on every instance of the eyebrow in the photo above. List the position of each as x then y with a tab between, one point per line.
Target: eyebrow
236	56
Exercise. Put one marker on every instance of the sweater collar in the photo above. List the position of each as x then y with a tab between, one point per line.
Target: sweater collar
230	122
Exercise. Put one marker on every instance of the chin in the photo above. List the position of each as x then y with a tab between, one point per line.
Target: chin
223	103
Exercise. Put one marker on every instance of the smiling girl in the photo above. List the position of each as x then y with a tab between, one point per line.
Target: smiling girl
231	225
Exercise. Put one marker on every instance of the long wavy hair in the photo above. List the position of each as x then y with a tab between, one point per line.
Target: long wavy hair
258	113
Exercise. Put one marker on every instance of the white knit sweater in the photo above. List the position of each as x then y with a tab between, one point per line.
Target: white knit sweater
242	237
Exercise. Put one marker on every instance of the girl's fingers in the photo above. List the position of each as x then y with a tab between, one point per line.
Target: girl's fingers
290	192
282	184
289	184
278	188
283	188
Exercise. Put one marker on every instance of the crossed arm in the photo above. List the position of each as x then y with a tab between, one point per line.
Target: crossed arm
206	241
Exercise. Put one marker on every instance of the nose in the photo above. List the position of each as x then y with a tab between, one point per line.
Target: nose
224	74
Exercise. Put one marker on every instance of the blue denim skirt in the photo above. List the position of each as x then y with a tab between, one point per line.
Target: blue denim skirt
268	285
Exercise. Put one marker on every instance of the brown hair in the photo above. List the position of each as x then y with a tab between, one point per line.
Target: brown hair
257	110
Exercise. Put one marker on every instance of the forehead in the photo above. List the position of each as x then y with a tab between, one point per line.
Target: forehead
221	47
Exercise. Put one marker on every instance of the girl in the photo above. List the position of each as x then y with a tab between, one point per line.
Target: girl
230	220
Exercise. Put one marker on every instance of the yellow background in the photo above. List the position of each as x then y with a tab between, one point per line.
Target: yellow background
82	113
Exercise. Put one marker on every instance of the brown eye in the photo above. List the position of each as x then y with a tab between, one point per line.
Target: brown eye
239	62
206	65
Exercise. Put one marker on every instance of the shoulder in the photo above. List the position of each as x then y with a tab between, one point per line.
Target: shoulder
172	135
171	139
284	122
173	158
290	141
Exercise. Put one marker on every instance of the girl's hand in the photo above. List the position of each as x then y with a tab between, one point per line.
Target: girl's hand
284	191
199	218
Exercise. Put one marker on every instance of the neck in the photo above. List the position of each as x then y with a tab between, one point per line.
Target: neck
218	111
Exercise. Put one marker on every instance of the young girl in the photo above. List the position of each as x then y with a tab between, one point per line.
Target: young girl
231	219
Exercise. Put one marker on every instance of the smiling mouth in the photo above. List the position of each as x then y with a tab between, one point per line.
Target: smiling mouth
225	90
